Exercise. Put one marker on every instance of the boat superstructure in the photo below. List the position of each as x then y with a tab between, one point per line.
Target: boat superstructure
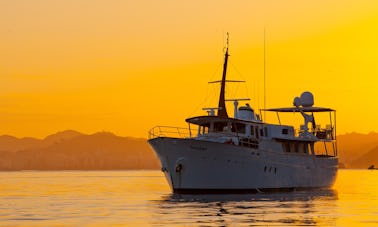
218	153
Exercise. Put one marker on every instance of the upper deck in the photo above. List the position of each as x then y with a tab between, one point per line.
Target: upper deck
248	128
254	134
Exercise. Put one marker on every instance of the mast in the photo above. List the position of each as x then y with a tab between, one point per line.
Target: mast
264	74
222	112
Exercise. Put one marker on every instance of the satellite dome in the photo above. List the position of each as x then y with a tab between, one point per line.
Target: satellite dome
307	99
297	102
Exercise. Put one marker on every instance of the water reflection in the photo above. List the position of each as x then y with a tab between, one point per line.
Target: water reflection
281	209
329	194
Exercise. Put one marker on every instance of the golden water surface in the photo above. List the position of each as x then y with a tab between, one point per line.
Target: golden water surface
143	198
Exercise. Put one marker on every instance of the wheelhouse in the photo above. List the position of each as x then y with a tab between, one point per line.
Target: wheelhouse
213	125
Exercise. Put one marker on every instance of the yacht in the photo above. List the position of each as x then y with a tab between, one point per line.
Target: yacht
218	153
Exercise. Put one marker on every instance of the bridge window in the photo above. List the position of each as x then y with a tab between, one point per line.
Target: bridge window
204	129
286	147
219	126
293	148
302	148
238	128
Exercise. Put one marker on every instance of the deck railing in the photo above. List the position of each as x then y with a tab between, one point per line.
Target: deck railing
169	131
323	134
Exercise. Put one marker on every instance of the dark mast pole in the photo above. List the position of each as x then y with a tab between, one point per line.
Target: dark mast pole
222	112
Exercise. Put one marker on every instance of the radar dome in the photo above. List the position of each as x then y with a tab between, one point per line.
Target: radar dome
297	102
307	99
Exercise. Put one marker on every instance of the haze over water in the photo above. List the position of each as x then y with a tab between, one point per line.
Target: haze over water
143	198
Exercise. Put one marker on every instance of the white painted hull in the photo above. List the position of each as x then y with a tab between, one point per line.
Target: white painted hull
217	166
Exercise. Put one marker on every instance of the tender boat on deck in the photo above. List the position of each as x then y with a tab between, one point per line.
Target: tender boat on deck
222	154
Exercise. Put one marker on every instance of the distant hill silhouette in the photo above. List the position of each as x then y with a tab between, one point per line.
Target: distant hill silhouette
71	150
354	146
61	136
366	160
11	143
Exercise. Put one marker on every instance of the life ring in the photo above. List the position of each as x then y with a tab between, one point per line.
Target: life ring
178	168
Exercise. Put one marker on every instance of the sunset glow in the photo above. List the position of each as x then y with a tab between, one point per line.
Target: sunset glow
126	66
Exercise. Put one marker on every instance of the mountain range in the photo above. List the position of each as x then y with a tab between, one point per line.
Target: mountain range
72	150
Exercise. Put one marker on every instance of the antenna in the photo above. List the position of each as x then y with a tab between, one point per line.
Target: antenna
264	75
222	112
228	40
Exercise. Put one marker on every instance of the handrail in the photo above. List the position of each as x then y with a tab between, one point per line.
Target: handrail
170	131
322	134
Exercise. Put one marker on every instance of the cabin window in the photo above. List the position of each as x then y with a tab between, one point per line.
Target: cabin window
265	131
286	147
285	131
261	132
302	148
238	128
252	130
205	130
257	132
294	147
218	127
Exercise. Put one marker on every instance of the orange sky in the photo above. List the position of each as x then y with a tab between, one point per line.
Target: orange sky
126	66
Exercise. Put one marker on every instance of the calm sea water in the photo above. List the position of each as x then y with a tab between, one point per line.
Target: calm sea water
143	198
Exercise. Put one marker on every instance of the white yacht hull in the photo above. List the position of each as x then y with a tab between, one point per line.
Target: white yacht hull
192	165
